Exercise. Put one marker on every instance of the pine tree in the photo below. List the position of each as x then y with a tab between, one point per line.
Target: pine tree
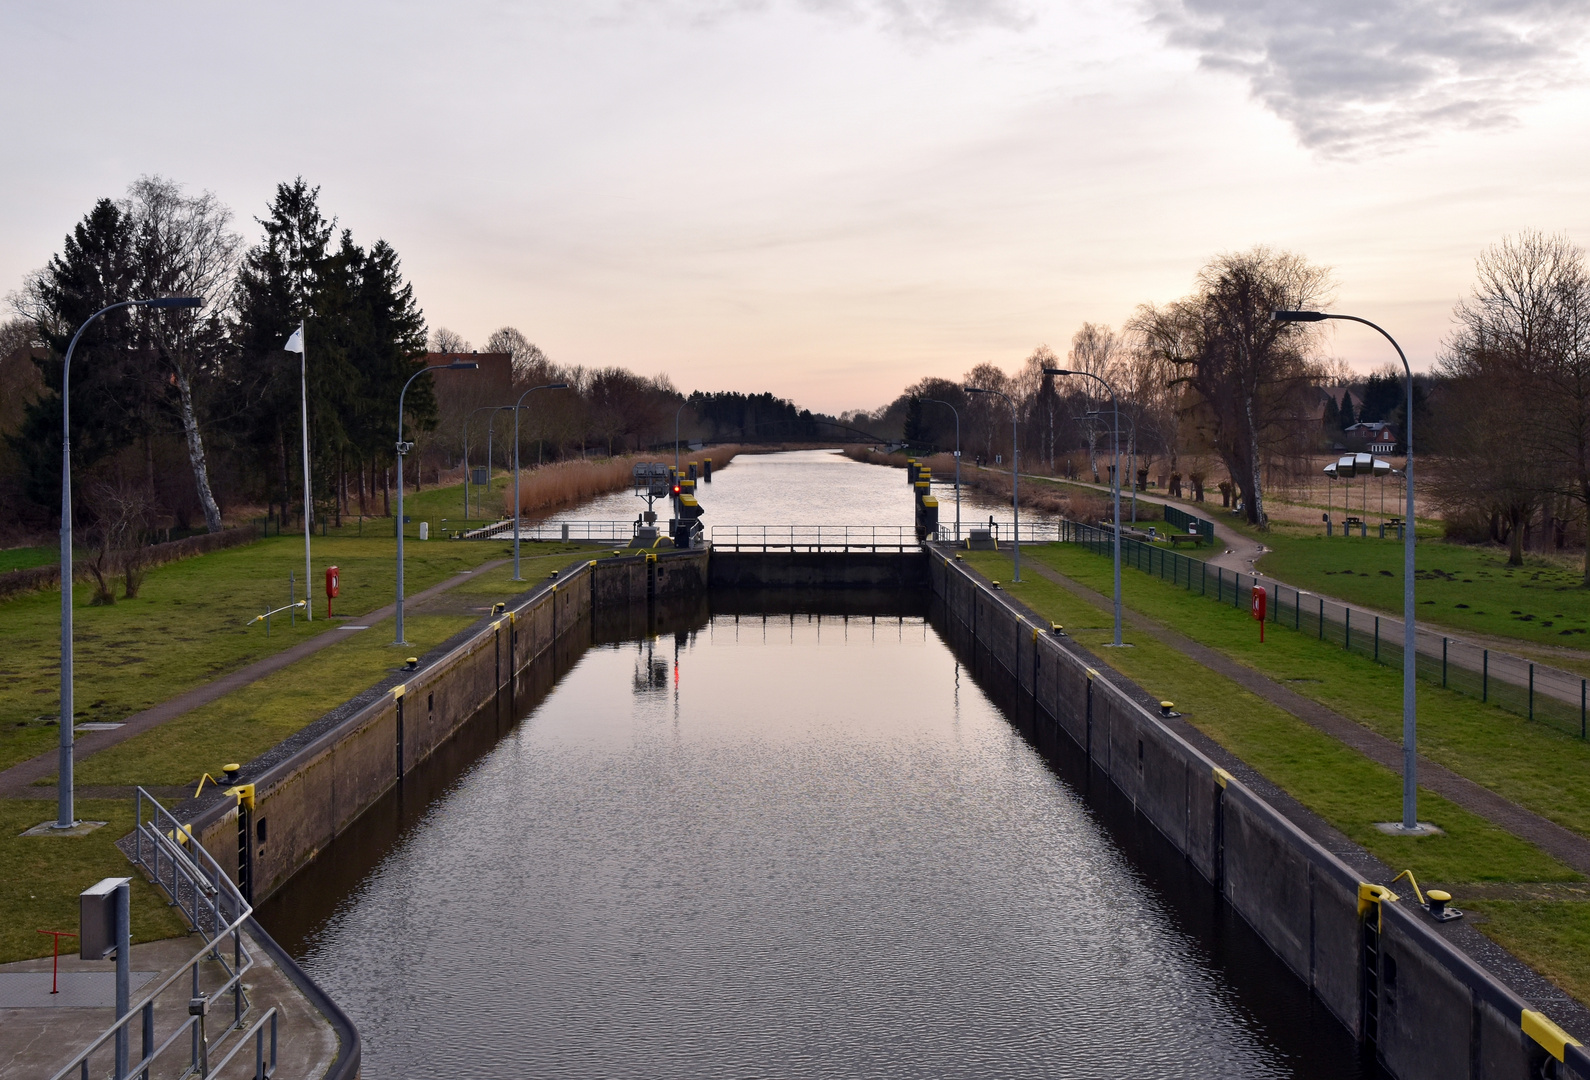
1347	410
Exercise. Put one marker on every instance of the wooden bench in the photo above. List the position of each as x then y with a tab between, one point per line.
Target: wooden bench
1177	539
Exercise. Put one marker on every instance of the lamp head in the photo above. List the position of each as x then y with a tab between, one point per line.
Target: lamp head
558	386
171	302
1298	316
975	390
459	366
1057	371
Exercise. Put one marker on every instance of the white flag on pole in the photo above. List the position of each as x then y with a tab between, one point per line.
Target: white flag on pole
296	342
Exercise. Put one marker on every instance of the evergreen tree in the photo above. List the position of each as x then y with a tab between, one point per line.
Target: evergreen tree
1347	418
94	269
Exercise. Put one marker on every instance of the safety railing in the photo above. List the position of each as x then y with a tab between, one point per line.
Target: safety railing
165	850
606	531
814	538
1536	692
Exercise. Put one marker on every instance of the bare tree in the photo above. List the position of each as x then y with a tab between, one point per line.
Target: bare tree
186	247
444	340
1247	371
1093	350
527	356
1520	362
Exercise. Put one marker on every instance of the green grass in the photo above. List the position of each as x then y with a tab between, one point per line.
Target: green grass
1552	935
253	718
40	877
1534	765
190	624
1469	589
24	558
1342	786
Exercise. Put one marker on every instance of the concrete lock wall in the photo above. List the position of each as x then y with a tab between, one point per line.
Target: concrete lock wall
1437	1014
304	798
817	570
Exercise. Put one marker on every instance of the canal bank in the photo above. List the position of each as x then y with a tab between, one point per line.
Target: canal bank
1379	971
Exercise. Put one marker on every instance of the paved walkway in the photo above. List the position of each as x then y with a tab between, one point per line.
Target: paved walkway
1477	657
1561	843
39	1034
18	781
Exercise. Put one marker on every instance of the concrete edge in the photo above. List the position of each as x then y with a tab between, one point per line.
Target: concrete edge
350	1047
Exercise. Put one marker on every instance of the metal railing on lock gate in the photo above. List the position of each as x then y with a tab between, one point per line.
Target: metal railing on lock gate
174	860
815	538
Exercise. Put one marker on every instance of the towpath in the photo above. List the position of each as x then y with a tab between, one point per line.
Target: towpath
1561	843
1467	653
18	781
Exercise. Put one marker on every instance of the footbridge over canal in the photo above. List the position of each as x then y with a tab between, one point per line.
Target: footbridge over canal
1421	1006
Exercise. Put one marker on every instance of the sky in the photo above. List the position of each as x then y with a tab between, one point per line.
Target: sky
827	199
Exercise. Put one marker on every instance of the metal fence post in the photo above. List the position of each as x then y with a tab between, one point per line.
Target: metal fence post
1485	675
1347	629
1581	707
1532	691
1322	618
1443	663
1377	639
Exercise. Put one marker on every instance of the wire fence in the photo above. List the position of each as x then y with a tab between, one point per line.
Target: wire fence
1536	692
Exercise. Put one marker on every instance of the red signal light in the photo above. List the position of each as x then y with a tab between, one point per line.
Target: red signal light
677	489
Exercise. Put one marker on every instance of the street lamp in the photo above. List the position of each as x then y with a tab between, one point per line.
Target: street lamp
1410	734
65	811
402	449
1015	474
1116	405
957	413
516	407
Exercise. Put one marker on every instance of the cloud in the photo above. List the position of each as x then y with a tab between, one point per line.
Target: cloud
1358	77
917	20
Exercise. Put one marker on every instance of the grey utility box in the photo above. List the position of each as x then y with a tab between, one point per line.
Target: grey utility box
478	477
97	918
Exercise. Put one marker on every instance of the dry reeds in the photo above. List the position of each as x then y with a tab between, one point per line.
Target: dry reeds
551	488
1044	498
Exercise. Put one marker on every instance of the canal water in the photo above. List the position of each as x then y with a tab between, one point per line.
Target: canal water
793	845
802	487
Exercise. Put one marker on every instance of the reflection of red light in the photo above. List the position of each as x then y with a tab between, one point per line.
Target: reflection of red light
676	674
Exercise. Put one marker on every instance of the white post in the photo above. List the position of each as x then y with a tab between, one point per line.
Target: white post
303	387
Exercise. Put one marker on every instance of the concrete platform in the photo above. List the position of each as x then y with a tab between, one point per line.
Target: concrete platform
39	1035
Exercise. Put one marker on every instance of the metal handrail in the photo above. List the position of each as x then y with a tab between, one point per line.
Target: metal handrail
200	889
553	530
815	537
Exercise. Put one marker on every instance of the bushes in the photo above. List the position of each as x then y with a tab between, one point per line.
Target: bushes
555	487
15	582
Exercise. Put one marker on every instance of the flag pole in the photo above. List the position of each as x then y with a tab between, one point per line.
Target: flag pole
303	388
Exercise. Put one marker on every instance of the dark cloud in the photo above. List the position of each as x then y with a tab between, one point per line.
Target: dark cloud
1364	76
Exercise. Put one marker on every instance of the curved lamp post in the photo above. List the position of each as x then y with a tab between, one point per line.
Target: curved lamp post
1410	733
402	449
1015	474
957	413
65	810
516	407
1131	425
1116	438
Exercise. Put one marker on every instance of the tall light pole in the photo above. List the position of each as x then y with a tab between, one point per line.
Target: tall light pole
1116	438
65	809
402	450
1015	474
1131	425
516	407
957	413
1410	732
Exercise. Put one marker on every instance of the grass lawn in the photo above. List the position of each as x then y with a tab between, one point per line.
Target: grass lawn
1532	764
1339	784
40	877
190	624
252	719
25	557
1466	588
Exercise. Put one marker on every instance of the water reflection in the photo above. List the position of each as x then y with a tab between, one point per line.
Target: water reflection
796	843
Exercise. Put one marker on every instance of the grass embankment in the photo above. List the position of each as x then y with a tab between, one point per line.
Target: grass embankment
252	719
25	558
188	625
40	877
1534	765
1343	787
1468	589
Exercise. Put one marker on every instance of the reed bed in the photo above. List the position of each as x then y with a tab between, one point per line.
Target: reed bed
551	488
